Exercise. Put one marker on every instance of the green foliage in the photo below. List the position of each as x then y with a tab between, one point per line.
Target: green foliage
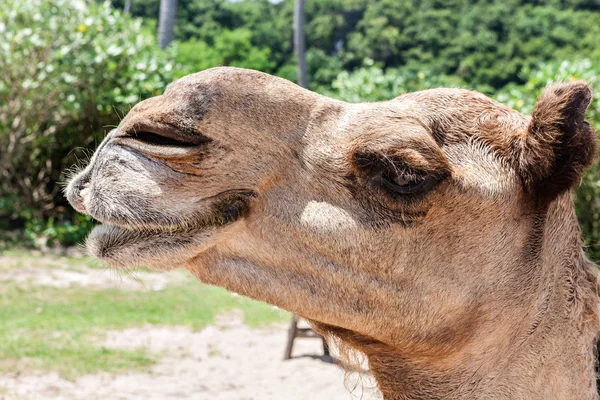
50	233
233	48
372	83
322	69
68	66
485	44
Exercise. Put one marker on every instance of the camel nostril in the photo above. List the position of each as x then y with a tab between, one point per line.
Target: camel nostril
83	193
84	190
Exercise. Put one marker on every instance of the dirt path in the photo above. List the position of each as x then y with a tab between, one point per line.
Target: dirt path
218	363
225	361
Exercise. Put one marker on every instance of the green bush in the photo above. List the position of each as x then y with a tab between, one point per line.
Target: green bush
485	43
233	48
372	83
49	233
70	69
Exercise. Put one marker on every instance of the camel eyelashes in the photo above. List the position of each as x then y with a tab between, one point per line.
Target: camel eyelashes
404	183
396	176
158	140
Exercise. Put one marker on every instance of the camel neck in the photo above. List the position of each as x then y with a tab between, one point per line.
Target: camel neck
528	353
566	376
551	363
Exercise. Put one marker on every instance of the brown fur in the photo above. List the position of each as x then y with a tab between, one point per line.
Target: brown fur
475	287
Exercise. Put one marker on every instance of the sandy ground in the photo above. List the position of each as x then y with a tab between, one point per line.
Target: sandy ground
226	361
55	273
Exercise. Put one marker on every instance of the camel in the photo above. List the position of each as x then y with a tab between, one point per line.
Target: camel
435	232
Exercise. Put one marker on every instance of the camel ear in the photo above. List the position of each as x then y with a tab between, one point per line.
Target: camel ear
559	144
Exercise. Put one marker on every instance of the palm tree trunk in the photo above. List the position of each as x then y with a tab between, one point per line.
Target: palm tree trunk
166	22
299	46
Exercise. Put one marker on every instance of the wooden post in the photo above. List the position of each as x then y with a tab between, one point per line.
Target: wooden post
290	340
295	332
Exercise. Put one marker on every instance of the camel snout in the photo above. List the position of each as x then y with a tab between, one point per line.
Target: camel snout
77	191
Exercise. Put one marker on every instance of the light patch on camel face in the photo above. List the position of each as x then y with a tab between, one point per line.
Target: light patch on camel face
326	218
477	168
345	120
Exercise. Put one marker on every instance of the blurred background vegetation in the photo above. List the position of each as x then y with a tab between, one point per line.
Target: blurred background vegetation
72	68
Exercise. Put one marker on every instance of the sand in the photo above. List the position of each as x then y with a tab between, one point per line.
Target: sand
224	361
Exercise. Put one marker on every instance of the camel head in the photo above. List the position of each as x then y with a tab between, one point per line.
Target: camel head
434	232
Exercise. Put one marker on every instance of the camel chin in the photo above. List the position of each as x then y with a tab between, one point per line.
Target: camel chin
160	249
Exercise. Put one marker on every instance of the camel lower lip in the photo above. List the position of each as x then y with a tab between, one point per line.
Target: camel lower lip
144	230
110	236
119	235
120	247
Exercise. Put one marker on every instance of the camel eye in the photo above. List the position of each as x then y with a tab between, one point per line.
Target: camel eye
158	140
404	182
396	176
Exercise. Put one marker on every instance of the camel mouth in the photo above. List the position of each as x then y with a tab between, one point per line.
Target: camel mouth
123	245
217	210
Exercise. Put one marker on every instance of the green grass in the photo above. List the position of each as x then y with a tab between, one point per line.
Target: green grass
20	257
55	329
